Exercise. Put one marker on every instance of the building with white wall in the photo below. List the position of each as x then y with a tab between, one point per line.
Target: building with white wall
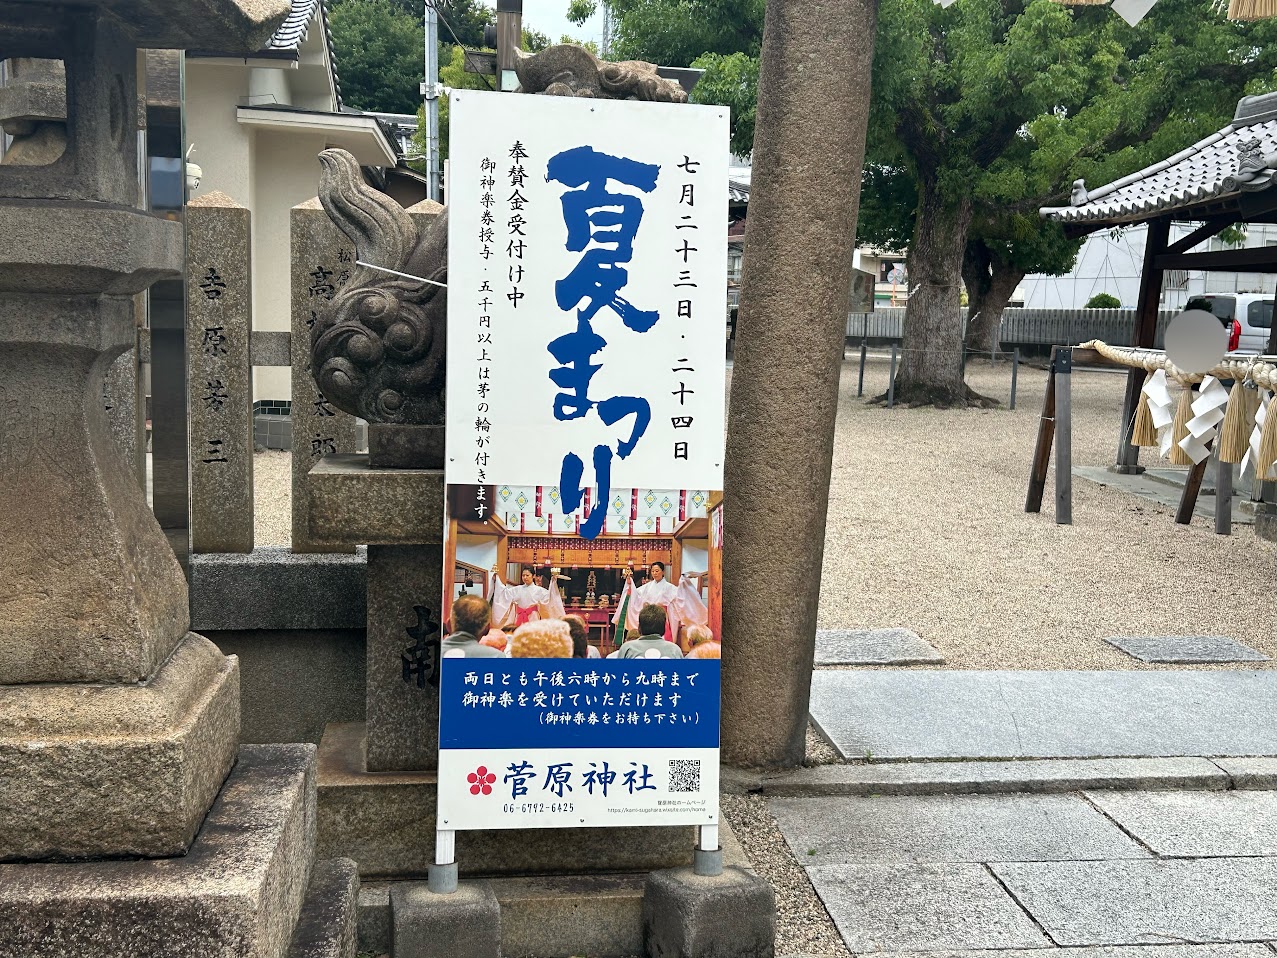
257	125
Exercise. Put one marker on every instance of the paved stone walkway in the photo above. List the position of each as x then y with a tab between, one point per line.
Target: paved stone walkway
931	714
1089	870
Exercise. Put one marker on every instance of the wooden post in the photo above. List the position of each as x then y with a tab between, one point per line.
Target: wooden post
1146	310
1223	497
1042	451
1063	376
1188	498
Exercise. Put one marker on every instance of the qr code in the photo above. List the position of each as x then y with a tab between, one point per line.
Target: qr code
685	775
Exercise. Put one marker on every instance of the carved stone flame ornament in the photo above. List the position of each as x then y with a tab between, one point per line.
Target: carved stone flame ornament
569	70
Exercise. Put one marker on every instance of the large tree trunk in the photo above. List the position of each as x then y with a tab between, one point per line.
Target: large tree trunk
931	367
813	99
990	283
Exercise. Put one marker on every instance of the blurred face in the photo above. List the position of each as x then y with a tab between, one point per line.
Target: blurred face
527	576
657	573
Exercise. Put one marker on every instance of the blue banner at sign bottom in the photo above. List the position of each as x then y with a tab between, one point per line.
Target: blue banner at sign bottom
562	743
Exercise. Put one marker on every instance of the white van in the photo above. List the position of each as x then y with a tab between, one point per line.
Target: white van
1252	311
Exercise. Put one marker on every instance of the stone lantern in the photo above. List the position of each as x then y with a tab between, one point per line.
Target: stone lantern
118	726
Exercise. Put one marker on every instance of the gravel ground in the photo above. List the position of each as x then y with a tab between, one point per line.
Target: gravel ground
927	531
272	498
803	927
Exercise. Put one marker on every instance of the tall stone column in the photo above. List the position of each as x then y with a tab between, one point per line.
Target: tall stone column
813	102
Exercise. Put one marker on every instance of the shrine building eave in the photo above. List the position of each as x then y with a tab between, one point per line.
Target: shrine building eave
1229	174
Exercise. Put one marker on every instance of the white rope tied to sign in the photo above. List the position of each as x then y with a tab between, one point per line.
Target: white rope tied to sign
1260	370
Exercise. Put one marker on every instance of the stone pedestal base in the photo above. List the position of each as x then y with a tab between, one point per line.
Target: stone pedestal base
732	915
96	771
238	891
464	924
385	821
1266	521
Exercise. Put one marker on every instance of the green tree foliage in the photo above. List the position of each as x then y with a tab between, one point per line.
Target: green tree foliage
452	76
994	107
731	79
466	17
983	112
1103	301
675	32
377	45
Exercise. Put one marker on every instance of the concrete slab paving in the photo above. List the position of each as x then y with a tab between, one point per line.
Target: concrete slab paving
1184	649
874	647
1196	824
922	908
946	828
933	714
972	778
1106	951
1250	772
1148	902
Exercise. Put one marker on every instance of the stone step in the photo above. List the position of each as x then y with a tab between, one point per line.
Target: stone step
548	917
329	921
1044	775
237	892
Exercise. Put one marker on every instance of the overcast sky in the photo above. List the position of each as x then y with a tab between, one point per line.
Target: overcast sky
548	17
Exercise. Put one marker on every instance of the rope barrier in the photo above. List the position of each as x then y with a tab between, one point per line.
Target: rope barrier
1260	370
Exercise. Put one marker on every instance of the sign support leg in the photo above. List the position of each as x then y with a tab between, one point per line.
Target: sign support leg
442	879
708	860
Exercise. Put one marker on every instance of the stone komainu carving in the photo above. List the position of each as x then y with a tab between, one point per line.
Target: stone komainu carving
569	70
377	350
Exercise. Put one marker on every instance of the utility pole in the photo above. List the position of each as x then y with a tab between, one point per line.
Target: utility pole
430	92
509	39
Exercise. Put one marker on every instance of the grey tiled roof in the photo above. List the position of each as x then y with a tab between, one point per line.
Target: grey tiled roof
295	27
737	192
1242	157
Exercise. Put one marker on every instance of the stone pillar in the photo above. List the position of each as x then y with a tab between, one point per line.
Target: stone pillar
813	101
219	373
322	262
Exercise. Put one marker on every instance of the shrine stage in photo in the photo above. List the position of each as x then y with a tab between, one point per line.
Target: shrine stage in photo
681	529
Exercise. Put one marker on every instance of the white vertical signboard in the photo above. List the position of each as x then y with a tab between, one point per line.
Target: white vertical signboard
587	265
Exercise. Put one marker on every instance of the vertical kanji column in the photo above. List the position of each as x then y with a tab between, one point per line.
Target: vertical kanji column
219	374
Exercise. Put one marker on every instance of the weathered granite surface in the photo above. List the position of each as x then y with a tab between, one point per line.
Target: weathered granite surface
402	711
874	647
99	770
465	924
732	915
1196	824
350	501
789	342
973	778
219	373
1147	902
948	828
328	925
322	263
93	592
1185	648
276	589
237	893
923	907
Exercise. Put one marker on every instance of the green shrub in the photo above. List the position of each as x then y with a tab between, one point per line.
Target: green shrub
1103	301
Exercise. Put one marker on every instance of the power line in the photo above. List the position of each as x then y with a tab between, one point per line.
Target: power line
434	5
